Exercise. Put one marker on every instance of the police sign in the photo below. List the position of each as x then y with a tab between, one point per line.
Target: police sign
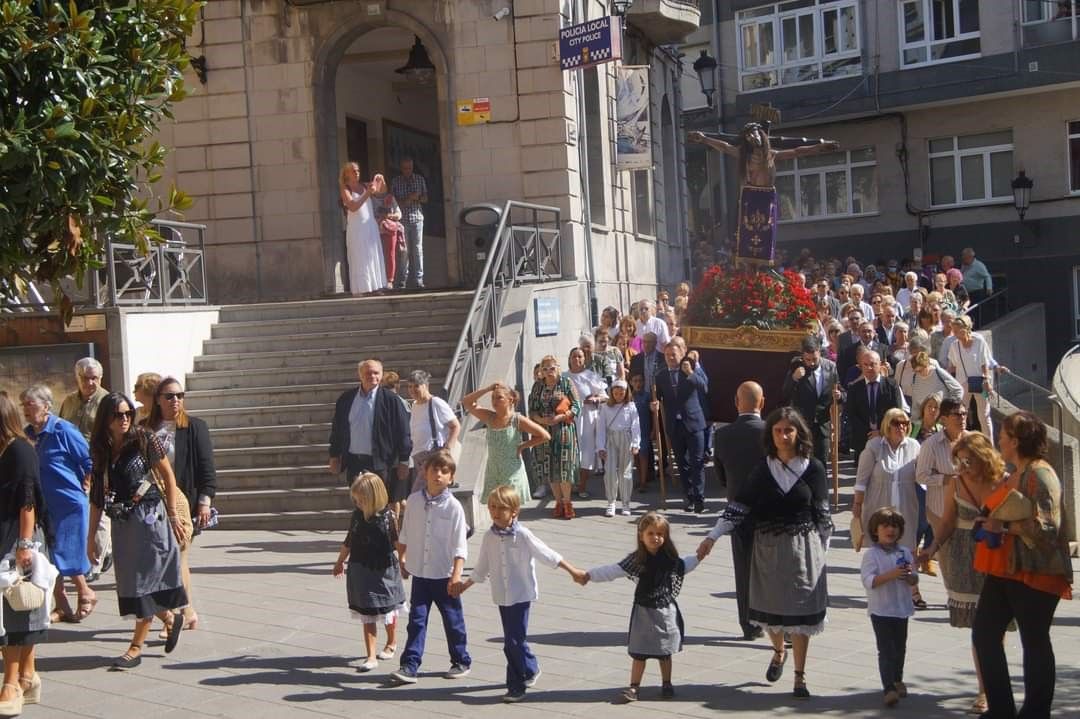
590	43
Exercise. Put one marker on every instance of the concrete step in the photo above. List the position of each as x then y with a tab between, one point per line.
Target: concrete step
426	316
269	397
299	499
281	477
394	302
277	377
298	434
269	415
270	457
365	342
391	355
333	519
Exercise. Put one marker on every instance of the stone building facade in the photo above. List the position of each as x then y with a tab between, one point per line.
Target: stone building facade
294	88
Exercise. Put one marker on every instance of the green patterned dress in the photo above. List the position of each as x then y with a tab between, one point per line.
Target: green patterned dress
504	464
556	460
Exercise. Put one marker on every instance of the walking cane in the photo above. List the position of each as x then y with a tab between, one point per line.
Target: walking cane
658	444
834	437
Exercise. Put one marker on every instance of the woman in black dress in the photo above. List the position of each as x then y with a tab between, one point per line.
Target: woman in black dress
787	498
21	523
145	532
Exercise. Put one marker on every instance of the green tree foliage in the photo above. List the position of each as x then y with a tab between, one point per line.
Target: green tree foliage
83	86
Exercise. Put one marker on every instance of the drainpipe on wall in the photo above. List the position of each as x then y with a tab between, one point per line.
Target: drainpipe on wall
683	191
256	221
583	173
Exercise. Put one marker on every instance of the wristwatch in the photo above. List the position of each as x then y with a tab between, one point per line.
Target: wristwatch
24	544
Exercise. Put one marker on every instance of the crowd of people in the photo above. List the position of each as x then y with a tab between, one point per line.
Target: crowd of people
384	229
94	483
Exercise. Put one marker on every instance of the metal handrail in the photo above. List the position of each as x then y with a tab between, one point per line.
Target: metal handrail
1058	415
997	298
504	267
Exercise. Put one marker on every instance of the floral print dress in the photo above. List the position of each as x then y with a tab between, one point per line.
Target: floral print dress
557	460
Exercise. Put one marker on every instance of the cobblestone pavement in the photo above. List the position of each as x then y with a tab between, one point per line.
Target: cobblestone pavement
275	640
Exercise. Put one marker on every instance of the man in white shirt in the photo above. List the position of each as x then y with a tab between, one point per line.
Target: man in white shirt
507	555
857	294
651	323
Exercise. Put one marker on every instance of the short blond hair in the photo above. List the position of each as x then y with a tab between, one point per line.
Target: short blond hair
369	494
892	415
504	497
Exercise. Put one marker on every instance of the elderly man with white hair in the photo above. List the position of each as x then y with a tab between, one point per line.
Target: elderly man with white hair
651	323
903	296
80	408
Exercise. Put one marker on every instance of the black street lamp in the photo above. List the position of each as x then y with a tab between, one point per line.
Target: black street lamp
1021	187
419	68
705	67
621	7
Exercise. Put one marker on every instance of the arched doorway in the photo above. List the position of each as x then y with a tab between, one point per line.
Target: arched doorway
365	112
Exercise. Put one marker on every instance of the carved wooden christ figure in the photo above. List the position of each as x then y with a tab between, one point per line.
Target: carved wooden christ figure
755	235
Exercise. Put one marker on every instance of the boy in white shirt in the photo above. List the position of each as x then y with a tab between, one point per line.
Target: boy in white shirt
888	576
432	549
506	555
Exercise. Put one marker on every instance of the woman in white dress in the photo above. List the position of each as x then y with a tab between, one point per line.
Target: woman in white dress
593	390
363	246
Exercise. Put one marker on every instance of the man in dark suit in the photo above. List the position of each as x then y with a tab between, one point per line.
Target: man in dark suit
738	448
849	336
677	387
822	294
847	361
810	387
370	433
868	399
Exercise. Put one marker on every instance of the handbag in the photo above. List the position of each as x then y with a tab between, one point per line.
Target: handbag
421	458
974	384
24	595
180	509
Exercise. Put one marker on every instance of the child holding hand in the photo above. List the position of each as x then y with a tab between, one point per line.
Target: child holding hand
888	577
373	580
618	439
656	624
507	555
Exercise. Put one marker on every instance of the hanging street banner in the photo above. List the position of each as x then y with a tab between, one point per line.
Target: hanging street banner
633	135
590	43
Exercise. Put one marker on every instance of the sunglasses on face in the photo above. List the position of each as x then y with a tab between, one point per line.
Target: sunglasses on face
901	423
123	415
170	396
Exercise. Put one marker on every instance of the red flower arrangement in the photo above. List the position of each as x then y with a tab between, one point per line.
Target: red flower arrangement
736	298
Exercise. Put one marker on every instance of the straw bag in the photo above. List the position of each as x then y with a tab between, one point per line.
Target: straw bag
24	596
180	509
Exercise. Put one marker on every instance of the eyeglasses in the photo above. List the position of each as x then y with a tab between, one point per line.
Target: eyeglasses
170	396
901	423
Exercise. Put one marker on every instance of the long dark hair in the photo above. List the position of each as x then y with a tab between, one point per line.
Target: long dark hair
10	426
100	441
804	446
746	150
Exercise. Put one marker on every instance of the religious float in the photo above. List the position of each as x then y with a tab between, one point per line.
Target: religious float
746	321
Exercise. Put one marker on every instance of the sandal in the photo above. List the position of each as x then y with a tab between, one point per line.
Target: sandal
776	666
86	607
630	694
388	652
128	660
918	601
800	691
979	706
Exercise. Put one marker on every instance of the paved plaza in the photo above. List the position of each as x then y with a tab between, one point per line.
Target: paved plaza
275	640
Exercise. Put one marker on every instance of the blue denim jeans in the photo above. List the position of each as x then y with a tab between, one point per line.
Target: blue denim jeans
521	664
411	272
426	592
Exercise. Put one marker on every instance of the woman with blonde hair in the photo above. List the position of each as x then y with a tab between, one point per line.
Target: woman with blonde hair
970	361
367	271
145	386
980	471
505	446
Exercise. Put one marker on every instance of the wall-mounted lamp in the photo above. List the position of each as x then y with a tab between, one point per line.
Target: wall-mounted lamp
621	7
705	67
1021	187
419	68
198	64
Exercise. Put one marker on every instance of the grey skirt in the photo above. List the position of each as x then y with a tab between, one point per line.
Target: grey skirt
146	560
788	590
655	633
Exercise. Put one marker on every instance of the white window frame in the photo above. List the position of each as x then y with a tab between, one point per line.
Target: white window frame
929	44
958	180
796	173
819	58
1046	5
1069	137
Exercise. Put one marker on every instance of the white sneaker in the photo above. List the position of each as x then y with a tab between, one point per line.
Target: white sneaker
610	511
626	509
541	492
531	681
367	666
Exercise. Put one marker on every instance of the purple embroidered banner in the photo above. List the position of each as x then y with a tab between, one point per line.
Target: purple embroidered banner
755	237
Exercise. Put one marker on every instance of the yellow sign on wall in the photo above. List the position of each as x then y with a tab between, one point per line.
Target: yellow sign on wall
474	111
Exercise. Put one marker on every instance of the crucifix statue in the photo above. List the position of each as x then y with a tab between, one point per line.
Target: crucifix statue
755	236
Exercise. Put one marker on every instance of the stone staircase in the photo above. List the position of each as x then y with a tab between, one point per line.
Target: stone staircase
267	381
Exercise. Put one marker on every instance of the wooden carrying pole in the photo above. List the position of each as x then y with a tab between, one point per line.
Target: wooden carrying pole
659	446
834	438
